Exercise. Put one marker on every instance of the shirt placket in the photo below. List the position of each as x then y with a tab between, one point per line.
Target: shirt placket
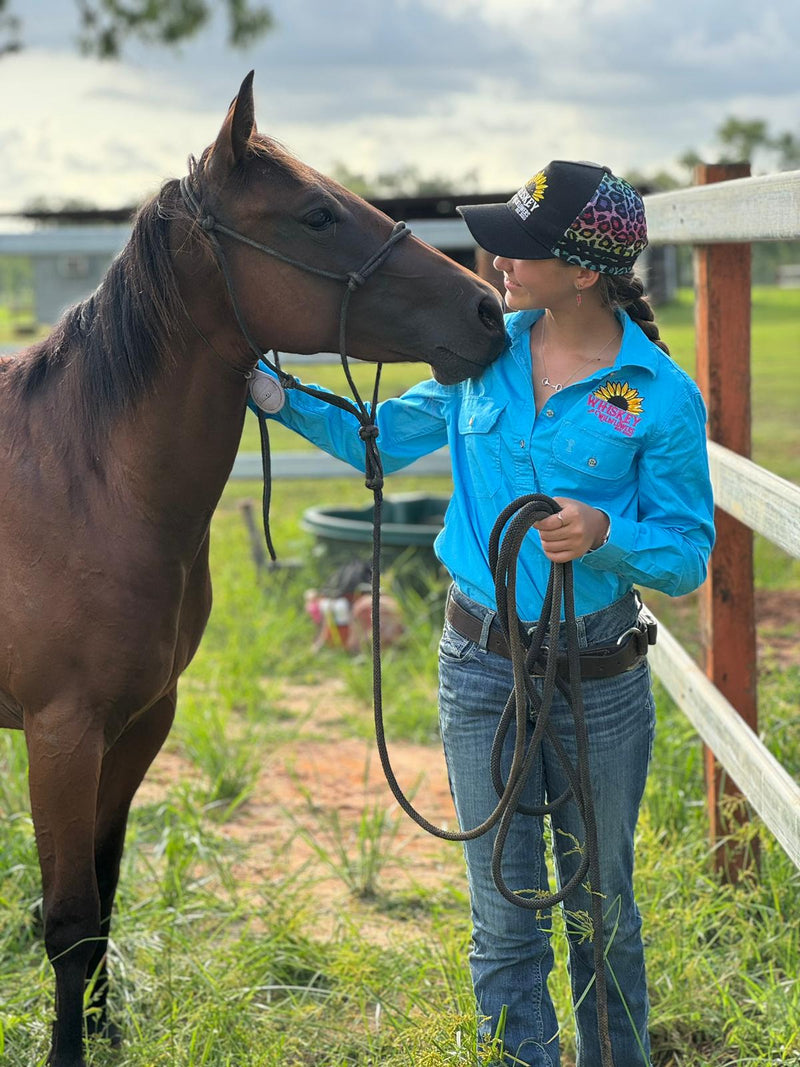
523	422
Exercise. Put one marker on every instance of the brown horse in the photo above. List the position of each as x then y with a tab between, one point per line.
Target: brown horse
117	436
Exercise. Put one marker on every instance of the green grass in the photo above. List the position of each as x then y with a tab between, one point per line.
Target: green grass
775	342
212	968
217	966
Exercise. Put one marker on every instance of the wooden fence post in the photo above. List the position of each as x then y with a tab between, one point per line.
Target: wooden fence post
727	604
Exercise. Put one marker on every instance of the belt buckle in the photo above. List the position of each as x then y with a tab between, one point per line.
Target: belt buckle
623	637
646	628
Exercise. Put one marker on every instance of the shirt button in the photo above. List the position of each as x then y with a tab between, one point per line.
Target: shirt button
549	413
472	419
522	444
592	462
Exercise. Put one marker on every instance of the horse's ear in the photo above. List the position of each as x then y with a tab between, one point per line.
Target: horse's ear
237	129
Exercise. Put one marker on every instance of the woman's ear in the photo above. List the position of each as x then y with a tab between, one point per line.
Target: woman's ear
586	278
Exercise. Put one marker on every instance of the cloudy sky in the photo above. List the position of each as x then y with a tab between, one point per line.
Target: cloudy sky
495	87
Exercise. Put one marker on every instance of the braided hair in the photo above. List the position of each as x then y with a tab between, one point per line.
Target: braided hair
626	291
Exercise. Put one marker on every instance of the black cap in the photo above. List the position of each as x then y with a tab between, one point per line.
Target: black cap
578	212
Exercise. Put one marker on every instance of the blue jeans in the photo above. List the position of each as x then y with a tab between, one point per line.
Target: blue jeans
511	954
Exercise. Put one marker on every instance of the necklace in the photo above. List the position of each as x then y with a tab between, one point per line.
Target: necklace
558	386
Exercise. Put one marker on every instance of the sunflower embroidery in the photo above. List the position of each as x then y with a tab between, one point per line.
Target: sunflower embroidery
536	185
621	396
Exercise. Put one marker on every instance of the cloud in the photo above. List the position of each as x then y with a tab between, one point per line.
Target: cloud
446	86
79	128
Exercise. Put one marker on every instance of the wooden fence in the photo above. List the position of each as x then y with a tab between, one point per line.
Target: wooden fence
720	217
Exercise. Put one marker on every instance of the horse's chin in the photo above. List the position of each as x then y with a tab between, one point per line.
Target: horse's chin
443	378
452	368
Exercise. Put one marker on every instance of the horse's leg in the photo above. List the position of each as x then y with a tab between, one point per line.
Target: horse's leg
65	753
123	769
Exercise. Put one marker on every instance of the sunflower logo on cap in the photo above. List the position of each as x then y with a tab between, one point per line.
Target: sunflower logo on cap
536	185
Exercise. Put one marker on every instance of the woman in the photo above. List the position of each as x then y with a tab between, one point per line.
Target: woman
586	406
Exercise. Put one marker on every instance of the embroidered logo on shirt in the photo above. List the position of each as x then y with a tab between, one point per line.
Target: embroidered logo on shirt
618	404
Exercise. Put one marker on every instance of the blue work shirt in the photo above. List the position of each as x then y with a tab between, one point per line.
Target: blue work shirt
629	439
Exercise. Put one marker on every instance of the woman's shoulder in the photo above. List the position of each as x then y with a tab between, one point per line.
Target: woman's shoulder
665	370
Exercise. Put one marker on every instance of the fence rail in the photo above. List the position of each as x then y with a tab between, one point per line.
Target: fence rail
767	785
760	499
743	209
290	465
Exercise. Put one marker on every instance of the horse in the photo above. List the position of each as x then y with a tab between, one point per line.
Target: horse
118	433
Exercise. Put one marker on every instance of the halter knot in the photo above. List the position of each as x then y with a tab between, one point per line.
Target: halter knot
368	432
208	222
355	280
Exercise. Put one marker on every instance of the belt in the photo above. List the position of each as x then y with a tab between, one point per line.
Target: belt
599	661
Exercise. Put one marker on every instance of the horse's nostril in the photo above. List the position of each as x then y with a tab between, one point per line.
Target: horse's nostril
490	313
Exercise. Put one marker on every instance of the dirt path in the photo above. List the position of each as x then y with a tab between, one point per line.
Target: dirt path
333	794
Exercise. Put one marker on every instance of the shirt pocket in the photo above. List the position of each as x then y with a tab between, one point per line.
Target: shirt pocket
590	455
478	427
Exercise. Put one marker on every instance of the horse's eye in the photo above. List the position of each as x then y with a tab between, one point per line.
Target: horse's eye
320	219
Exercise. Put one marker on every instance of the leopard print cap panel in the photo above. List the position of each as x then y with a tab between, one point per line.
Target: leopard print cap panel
609	233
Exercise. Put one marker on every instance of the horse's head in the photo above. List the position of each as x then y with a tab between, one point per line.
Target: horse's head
307	238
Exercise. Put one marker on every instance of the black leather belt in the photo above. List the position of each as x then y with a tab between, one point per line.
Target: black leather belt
599	661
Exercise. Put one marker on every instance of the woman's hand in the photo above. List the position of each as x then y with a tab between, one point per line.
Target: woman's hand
573	531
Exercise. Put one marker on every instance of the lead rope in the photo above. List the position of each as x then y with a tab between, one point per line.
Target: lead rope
523	513
504	549
504	557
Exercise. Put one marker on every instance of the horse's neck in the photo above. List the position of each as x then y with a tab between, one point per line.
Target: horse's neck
180	443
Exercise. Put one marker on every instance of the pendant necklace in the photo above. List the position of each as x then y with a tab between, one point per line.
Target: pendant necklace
558	386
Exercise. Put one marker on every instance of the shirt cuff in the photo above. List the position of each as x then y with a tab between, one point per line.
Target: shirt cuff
616	546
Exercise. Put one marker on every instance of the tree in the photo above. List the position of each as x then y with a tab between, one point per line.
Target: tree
9	31
741	138
104	26
404	181
747	140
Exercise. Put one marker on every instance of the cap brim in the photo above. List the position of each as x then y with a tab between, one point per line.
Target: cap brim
495	228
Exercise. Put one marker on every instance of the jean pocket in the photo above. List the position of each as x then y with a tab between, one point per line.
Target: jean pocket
454	646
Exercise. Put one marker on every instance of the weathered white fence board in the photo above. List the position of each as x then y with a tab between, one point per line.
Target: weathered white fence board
745	209
766	503
320	465
768	786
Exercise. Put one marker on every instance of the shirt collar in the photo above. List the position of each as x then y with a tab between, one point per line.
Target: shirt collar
636	350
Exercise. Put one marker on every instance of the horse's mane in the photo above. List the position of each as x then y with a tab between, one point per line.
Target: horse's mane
111	346
109	349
